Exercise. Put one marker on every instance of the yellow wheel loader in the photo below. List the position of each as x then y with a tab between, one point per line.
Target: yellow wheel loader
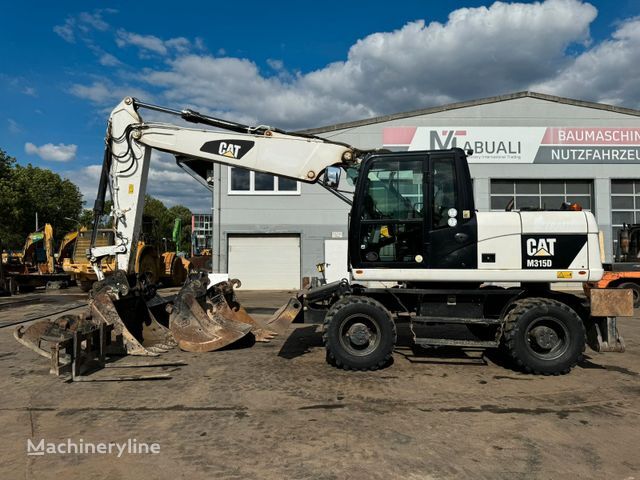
413	224
37	265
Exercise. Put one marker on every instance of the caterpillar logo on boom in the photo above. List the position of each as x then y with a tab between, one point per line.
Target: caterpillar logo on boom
228	148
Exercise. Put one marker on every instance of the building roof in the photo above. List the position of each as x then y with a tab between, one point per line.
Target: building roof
473	103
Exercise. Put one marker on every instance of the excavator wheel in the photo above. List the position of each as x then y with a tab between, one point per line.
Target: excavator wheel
543	336
359	334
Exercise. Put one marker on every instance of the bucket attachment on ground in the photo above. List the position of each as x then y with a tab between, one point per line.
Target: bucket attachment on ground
202	322
284	316
73	343
603	335
237	313
607	304
136	330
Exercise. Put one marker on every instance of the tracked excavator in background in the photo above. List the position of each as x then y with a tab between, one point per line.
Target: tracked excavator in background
413	223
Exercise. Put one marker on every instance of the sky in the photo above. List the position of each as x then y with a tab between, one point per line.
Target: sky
292	65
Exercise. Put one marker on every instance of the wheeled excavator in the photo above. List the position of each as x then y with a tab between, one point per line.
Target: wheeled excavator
413	223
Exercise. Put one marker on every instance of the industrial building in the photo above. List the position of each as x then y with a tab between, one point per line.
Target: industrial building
539	150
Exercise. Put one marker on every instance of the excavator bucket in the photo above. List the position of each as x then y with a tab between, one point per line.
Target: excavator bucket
263	330
284	316
202	321
135	328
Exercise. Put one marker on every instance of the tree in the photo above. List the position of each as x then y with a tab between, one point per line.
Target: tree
164	219
27	190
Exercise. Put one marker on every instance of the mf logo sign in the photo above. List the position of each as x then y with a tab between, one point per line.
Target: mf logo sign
444	139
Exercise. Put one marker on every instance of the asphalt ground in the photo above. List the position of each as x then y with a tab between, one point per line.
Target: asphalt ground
279	411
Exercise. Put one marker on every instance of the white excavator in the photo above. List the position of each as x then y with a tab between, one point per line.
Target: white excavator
413	223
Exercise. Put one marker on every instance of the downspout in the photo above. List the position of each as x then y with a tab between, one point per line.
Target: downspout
218	208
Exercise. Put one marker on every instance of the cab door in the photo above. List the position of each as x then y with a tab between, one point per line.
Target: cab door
387	222
451	229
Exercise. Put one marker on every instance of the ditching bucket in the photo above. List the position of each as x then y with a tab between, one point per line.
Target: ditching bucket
202	321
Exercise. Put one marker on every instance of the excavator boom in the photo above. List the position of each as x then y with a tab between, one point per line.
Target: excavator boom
202	317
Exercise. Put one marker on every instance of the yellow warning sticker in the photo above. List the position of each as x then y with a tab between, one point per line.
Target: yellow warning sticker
565	274
131	189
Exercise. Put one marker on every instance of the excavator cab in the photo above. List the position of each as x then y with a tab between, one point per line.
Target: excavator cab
413	210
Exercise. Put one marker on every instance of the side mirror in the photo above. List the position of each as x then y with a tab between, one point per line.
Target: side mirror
331	177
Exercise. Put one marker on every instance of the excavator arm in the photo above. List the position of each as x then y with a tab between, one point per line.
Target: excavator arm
130	141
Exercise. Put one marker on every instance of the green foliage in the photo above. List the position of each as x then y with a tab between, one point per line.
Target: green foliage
164	219
27	190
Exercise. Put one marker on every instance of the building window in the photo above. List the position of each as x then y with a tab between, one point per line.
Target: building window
243	182
625	205
541	194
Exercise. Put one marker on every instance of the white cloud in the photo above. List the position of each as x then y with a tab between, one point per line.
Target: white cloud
49	151
109	60
107	94
167	182
83	23
32	92
607	73
66	30
93	20
477	52
86	178
13	127
151	43
144	42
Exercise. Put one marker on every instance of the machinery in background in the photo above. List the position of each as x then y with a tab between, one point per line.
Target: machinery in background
8	286
624	272
413	224
38	266
167	268
77	264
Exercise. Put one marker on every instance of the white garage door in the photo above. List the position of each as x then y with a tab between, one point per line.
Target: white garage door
266	262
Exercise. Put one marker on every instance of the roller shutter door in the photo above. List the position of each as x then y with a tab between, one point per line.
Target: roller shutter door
265	262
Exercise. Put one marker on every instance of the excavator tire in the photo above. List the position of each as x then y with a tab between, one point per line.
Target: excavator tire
359	334
543	336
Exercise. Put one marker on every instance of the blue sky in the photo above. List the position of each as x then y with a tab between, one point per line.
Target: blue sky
64	65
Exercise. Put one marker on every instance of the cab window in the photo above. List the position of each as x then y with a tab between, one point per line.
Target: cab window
444	191
392	212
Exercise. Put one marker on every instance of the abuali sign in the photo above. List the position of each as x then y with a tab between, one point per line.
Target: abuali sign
523	144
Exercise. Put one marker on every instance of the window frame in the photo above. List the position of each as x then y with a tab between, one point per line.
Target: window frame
253	191
635	212
539	194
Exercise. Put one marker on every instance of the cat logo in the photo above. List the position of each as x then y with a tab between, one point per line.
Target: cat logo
229	150
235	149
541	247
